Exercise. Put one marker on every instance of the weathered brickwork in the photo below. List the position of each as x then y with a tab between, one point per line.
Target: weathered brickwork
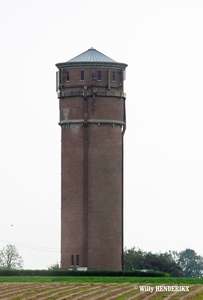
92	118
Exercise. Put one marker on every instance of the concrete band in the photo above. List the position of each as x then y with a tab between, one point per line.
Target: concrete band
118	94
96	121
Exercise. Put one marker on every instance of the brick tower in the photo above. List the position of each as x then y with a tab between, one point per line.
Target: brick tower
92	120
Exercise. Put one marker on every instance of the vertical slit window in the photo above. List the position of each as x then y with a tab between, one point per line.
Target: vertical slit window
113	76
72	260
99	75
57	81
77	260
82	75
67	76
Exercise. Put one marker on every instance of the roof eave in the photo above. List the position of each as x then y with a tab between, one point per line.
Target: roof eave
80	64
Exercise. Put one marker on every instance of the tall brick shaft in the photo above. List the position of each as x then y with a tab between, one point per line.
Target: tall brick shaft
92	120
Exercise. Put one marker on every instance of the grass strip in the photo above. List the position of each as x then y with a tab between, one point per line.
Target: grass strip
104	279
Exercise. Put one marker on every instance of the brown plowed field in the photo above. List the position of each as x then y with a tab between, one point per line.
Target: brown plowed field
90	291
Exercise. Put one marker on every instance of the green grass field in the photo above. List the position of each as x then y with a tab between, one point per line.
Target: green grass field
145	280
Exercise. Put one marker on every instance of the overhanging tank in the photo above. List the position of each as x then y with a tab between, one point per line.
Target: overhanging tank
92	120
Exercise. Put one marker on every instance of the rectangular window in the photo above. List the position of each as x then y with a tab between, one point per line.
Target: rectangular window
67	76
77	260
124	75
82	75
72	260
113	76
99	75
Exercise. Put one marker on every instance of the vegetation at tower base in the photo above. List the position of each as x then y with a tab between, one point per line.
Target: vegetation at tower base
137	263
89	273
55	266
191	263
183	264
138	259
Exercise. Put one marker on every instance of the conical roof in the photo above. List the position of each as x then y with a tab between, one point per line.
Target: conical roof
91	55
91	58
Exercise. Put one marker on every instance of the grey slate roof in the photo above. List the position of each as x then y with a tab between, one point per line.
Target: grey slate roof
91	55
91	58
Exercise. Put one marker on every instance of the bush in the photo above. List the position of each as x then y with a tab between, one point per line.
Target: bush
64	272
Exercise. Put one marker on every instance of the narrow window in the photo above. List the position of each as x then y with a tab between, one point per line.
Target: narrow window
77	260
82	75
99	75
57	81
124	75
113	76
67	76
72	260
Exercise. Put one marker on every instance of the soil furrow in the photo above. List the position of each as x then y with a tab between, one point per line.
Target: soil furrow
49	291
123	292
20	290
80	293
86	293
93	295
70	292
90	291
173	294
14	290
111	291
10	287
138	295
192	294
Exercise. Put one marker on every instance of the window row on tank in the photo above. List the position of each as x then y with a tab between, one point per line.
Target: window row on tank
74	76
96	75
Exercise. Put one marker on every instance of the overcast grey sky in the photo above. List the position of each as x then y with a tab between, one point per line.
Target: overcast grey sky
162	43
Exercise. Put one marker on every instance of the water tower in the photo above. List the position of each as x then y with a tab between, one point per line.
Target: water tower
92	119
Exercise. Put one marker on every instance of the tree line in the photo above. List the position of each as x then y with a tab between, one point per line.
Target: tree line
178	264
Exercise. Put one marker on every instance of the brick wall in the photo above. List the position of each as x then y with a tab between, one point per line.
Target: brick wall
91	206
